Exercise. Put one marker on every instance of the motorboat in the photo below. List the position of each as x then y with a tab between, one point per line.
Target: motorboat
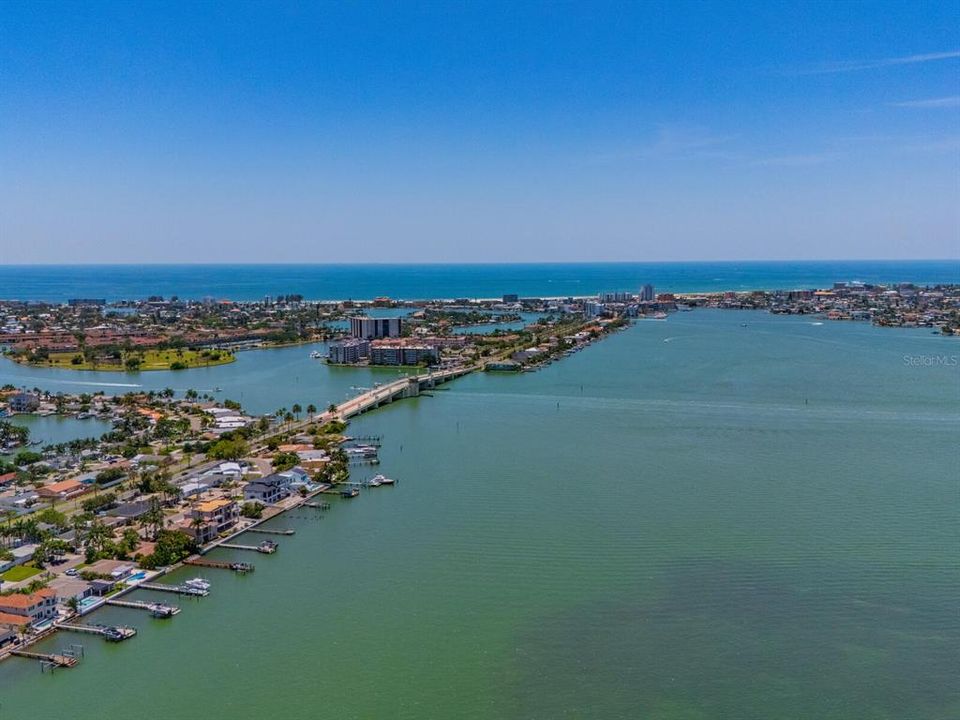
198	584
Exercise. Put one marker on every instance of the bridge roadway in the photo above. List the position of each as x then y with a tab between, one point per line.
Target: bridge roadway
410	386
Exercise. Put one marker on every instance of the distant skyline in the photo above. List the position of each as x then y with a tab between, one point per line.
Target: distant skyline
478	132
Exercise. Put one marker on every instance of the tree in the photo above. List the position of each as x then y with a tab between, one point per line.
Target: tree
296	409
152	519
228	449
311	410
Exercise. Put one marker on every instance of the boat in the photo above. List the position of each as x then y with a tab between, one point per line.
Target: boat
384	480
375	481
197	584
158	610
218	389
316	354
350	492
660	316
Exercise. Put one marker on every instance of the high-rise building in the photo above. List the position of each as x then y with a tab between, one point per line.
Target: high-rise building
647	294
349	351
373	328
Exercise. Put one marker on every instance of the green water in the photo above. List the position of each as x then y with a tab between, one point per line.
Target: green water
691	519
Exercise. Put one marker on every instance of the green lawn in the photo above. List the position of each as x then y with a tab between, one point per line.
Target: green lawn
20	572
148	359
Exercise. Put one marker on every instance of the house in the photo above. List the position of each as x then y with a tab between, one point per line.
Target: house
7	478
63	490
102	586
35	608
202	533
20	554
9	628
222	514
296	475
116	569
130	511
267	490
24	402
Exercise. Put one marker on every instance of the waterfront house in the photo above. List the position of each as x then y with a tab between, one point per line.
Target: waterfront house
102	586
35	608
9	628
221	514
296	475
116	569
202	533
24	402
268	490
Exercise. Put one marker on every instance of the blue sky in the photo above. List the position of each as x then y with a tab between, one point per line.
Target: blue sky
461	132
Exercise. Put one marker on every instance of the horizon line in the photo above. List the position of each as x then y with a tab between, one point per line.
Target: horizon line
254	263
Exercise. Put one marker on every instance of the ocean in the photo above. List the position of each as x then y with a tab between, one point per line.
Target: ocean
58	283
725	515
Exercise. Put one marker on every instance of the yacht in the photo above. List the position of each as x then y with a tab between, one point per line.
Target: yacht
384	480
316	354
198	584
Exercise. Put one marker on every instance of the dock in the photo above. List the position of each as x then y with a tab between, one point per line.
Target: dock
267	547
316	505
157	610
268	531
51	661
111	633
178	589
240	567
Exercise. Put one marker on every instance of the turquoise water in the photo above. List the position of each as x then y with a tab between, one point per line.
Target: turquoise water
51	429
261	380
366	281
689	519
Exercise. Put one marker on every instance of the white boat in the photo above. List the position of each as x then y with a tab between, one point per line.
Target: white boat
375	481
316	354
383	480
198	583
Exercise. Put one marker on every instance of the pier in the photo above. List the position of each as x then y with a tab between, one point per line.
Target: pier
267	547
178	589
317	505
268	531
52	661
157	610
111	633
240	567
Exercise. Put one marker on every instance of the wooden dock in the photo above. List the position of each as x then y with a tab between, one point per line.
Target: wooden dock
156	609
178	589
317	505
49	660
240	567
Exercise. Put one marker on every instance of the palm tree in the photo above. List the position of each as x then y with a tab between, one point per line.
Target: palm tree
311	410
297	410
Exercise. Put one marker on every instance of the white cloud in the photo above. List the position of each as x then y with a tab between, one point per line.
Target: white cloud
951	101
842	66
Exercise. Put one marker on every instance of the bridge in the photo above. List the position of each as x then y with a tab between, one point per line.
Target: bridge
406	387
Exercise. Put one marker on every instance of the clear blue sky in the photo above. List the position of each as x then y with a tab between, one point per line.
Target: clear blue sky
446	132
